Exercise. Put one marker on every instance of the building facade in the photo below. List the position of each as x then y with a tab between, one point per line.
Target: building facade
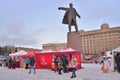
97	41
54	46
94	42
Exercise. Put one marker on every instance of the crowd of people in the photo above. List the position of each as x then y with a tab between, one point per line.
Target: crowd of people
107	63
62	64
11	63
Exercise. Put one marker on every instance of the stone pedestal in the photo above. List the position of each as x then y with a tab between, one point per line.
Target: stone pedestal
74	41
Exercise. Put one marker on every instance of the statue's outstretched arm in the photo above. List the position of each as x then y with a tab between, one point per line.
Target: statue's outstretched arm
77	14
62	8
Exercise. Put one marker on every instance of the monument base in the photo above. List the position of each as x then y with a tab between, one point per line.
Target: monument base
74	41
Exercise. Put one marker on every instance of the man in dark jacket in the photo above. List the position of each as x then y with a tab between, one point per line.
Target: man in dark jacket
64	63
32	64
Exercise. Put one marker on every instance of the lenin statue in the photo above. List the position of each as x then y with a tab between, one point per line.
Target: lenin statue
70	17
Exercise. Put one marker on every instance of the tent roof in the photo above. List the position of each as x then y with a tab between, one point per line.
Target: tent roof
116	49
19	53
47	51
67	50
30	53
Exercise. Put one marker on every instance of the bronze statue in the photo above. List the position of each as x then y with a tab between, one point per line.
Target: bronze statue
70	17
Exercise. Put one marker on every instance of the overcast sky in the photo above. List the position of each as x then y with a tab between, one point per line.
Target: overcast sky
31	23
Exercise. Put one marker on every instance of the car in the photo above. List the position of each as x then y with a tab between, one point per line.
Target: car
2	59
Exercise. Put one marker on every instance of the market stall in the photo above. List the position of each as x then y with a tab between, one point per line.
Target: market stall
114	53
44	59
18	57
69	52
30	53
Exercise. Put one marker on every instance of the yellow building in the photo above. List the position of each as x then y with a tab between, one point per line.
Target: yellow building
97	41
54	46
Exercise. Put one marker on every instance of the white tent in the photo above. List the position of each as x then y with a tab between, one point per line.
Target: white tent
116	49
19	53
113	54
67	50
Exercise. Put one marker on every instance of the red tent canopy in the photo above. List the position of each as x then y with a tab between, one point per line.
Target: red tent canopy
47	51
69	52
30	53
44	60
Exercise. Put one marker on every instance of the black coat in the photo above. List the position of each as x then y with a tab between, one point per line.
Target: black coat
32	62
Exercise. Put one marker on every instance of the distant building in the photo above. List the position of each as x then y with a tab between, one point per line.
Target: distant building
94	42
54	46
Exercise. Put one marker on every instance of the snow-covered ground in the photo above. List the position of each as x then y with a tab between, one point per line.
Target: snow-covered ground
90	72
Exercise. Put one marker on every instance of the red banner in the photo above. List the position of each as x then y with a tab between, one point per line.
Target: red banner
43	61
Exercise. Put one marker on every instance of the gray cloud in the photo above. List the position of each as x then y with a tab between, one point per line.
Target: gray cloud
17	33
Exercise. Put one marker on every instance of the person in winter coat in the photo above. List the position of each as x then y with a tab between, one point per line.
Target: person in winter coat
32	64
